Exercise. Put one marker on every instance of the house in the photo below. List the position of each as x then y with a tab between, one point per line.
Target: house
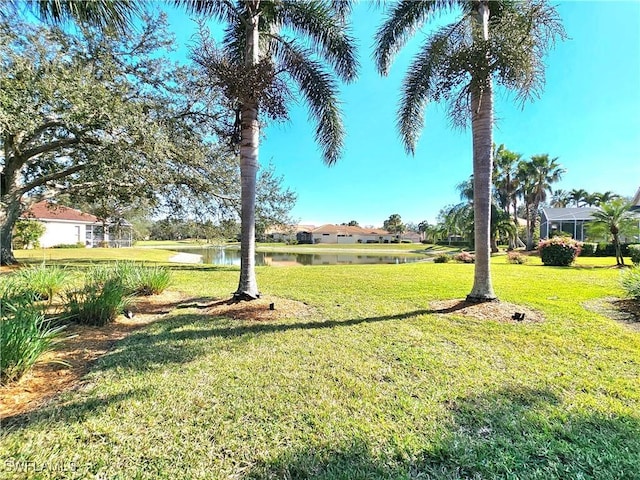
68	226
571	221
330	233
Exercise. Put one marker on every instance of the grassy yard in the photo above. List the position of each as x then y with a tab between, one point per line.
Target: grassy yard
372	384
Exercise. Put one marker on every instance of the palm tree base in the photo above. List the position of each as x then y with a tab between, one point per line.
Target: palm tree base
245	297
481	298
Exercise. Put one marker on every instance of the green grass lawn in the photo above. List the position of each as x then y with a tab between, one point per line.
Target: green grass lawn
372	385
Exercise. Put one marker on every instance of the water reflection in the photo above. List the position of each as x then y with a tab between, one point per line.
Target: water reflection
224	256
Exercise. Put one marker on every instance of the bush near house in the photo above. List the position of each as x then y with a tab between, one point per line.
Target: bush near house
609	250
559	251
634	253
588	249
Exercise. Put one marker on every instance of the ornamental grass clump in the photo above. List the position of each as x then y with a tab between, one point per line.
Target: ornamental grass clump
152	280
630	281
25	334
43	281
559	251
97	303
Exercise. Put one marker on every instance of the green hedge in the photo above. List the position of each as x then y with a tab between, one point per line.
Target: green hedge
634	253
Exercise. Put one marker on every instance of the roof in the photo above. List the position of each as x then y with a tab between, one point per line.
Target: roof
349	230
51	211
636	200
569	214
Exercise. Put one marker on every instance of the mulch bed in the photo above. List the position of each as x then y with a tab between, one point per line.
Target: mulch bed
500	311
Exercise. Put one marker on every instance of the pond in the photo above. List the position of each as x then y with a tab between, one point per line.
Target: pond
227	256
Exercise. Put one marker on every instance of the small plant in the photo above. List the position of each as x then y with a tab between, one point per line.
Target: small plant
43	281
24	336
27	233
559	251
634	253
517	258
630	281
152	280
464	257
442	258
97	303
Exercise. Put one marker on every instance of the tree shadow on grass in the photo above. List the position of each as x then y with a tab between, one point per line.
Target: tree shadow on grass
74	411
518	432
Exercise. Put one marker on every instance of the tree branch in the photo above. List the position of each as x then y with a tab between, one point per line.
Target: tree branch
51	177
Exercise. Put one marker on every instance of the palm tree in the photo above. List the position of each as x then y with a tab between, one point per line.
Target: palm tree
506	183
614	217
117	14
265	52
537	176
560	198
501	40
578	195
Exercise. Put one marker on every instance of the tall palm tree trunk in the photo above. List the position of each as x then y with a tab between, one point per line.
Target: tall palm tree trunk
248	285
482	133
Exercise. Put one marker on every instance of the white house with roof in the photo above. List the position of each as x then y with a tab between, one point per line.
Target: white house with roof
67	226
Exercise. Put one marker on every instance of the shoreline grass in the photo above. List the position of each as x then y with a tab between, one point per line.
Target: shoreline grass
373	385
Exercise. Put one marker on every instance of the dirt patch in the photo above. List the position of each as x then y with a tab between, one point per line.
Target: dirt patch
623	310
263	309
500	311
85	344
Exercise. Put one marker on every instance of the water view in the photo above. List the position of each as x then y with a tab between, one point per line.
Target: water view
226	256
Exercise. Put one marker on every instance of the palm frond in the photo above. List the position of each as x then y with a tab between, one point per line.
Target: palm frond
403	19
327	33
319	90
423	83
223	10
101	13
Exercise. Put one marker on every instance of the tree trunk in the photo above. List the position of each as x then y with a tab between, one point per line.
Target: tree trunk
532	224
10	209
619	257
482	133
248	285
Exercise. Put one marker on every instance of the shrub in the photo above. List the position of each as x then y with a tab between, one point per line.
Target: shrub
630	280
609	250
24	336
464	257
588	249
98	303
70	245
44	282
27	233
442	258
634	253
559	251
517	258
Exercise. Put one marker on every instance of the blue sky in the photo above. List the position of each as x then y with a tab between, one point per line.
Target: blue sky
588	116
